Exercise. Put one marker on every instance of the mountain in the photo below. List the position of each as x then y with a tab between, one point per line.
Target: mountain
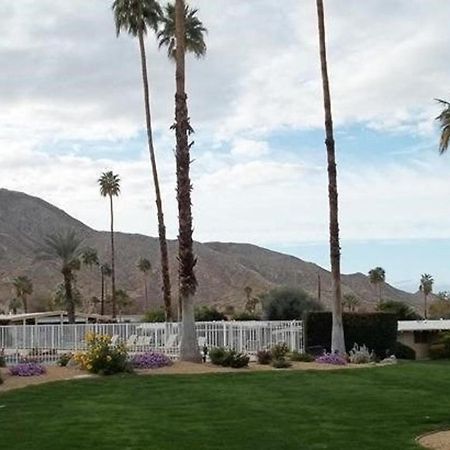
223	269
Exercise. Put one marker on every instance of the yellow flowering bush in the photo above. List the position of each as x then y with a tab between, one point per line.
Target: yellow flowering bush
101	356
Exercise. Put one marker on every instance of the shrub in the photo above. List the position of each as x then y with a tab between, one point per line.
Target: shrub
64	359
288	304
331	358
30	369
279	350
378	331
402	310
402	351
208	314
2	359
264	356
441	348
150	360
228	358
301	357
281	363
245	315
360	355
155	315
101	357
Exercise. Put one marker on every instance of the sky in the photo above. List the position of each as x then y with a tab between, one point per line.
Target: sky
72	107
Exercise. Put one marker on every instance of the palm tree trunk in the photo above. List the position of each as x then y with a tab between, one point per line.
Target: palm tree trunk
337	335
113	268
425	298
69	295
102	299
146	293
161	226
189	350
25	304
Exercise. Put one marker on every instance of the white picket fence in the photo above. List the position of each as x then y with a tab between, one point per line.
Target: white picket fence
47	342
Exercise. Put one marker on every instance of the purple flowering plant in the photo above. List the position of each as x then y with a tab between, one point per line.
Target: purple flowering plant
150	360
331	358
28	369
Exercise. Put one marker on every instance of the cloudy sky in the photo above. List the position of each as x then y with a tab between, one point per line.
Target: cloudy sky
71	107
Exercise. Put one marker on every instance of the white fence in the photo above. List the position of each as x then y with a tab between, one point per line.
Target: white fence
47	342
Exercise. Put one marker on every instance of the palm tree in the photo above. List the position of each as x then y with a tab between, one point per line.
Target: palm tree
66	248
377	277
23	287
351	302
123	300
426	287
145	266
178	33
194	32
337	334
89	257
135	17
110	187
105	271
13	305
444	120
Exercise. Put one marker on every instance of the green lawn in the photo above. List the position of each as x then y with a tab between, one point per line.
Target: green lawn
362	409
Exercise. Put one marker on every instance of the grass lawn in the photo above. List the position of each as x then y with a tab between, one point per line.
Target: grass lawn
362	409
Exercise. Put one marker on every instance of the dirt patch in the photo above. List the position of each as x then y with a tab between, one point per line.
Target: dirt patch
54	373
436	441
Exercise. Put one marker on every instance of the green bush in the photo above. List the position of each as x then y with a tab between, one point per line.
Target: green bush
281	363
208	314
402	351
245	315
441	348
2	360
279	351
264	357
155	315
64	359
402	310
228	358
288	304
377	331
301	357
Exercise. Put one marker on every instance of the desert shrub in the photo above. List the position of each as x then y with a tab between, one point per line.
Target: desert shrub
208	314
64	359
378	331
102	357
402	351
288	304
30	369
150	360
332	358
155	315
279	350
264	356
281	363
228	358
245	315
360	355
301	357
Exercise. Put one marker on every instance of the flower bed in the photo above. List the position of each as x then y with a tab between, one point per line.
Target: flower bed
150	360
28	369
331	358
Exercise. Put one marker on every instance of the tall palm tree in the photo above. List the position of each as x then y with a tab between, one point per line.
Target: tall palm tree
23	287
136	17
65	248
337	334
105	271
426	287
174	30
110	187
145	266
444	120
377	277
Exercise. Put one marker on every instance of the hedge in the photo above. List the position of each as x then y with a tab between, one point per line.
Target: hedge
377	331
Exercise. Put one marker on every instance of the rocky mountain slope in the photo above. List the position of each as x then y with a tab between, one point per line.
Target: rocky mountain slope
223	270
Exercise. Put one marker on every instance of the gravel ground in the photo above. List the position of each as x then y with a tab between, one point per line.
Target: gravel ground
436	441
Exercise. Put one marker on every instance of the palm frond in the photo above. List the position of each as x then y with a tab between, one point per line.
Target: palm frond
136	16
444	123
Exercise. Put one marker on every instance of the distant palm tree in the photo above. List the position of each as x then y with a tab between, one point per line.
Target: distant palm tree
337	333
145	266
23	287
136	17
426	287
444	120
105	271
377	277
65	248
189	350
14	305
110	187
89	257
194	32
351	302
123	300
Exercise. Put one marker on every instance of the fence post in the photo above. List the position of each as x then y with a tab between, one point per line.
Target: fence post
293	346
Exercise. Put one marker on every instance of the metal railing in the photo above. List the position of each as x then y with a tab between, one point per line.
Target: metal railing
47	342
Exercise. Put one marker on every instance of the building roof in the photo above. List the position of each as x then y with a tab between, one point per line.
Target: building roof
423	325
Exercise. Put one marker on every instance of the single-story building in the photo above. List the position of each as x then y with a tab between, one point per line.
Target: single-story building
420	334
50	318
